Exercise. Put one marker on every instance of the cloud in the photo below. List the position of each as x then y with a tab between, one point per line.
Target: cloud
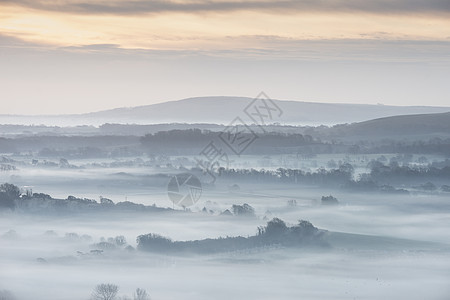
268	47
144	7
14	44
11	41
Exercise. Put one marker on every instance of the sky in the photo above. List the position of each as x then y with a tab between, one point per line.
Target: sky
74	56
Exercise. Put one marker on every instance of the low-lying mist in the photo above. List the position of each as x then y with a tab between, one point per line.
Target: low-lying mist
67	226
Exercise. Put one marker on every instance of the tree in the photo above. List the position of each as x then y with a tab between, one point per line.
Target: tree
106	201
105	291
329	200
347	170
140	294
154	242
243	210
8	193
64	163
11	190
275	227
305	229
120	240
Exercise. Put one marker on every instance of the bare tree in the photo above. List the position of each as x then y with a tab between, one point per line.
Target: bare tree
140	294
105	291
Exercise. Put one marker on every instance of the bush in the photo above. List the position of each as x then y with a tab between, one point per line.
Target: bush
329	200
243	210
8	193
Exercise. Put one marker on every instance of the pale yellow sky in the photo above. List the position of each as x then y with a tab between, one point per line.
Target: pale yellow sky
216	29
74	56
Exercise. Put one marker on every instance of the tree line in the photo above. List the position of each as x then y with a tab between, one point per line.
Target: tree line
276	232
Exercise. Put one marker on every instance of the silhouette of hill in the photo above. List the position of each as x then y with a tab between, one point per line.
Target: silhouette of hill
222	110
406	125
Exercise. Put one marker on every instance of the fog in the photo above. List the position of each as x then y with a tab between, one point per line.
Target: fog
321	219
140	159
348	270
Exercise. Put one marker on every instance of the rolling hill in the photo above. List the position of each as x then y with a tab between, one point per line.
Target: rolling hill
397	126
222	110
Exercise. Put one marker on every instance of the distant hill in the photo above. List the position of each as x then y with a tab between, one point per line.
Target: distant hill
222	110
397	126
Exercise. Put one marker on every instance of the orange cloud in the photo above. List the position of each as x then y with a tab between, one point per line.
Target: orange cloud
222	29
